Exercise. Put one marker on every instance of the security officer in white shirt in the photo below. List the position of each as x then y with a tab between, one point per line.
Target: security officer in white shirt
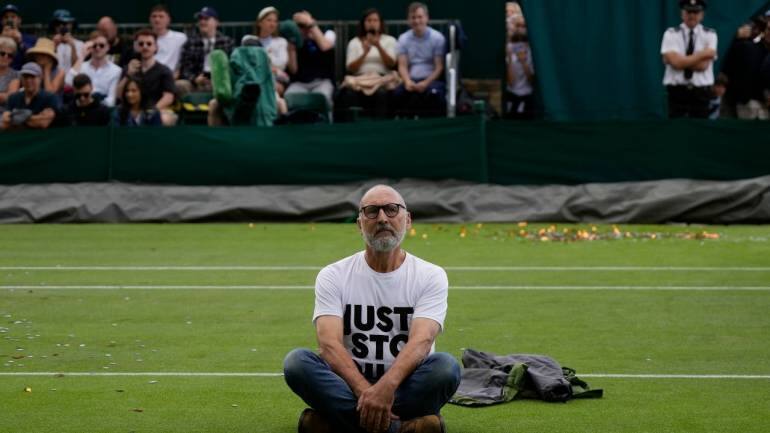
689	51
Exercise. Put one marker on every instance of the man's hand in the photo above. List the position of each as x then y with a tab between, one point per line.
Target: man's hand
410	86
13	34
134	66
57	39
202	80
421	86
374	408
304	18
707	54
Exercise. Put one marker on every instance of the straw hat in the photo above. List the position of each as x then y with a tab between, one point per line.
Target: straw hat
44	46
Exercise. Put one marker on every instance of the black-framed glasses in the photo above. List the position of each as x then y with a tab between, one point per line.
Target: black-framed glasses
100	45
6	54
373	211
82	95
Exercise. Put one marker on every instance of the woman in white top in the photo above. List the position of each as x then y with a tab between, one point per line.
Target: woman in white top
283	55
371	61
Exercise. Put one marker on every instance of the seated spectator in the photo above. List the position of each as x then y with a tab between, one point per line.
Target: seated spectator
53	74
68	49
421	64
156	79
135	109
32	107
10	19
169	42
9	77
283	55
315	60
371	60
121	49
103	73
520	79
195	69
85	109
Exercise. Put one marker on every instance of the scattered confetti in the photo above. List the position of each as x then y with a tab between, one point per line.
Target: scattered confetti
152	382
234	405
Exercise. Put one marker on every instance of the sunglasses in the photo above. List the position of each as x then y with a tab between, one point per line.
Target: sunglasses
373	211
82	95
144	44
6	54
100	46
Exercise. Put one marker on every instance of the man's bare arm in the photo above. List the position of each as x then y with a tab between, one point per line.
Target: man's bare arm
329	331
679	61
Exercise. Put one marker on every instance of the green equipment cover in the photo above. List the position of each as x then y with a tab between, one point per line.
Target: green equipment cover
220	77
250	66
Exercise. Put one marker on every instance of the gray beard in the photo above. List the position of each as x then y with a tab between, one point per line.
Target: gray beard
385	244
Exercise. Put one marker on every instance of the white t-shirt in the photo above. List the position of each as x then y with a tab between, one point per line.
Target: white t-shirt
277	49
64	53
676	40
170	48
377	309
373	61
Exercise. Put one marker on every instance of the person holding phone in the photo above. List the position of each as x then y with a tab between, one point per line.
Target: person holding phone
68	48
10	17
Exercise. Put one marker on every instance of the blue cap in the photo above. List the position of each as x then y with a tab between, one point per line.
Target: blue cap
62	16
207	12
10	8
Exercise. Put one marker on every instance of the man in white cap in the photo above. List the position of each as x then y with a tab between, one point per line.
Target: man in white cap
31	107
689	51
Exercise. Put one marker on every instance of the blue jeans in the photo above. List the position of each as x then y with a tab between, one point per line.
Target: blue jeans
424	392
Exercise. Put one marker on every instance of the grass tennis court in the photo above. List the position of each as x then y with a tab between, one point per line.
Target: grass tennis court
186	326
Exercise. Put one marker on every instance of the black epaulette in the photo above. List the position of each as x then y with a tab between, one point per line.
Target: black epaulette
674	29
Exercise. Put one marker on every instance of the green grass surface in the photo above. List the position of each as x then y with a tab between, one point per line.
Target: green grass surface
594	330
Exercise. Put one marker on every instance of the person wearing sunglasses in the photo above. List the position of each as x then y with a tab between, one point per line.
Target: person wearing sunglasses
9	78
85	109
156	79
104	74
377	315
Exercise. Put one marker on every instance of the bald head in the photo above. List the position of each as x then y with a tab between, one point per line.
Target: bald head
381	194
107	26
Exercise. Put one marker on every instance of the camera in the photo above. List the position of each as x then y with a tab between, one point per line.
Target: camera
64	29
11	24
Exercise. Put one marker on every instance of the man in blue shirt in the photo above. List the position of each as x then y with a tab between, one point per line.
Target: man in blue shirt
31	107
420	64
10	17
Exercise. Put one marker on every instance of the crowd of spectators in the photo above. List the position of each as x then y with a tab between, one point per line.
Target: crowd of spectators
60	80
140	80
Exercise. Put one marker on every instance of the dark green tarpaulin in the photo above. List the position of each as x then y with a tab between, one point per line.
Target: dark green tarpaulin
571	153
600	59
466	148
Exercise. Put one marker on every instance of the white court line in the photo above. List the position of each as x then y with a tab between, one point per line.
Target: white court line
270	287
218	374
448	268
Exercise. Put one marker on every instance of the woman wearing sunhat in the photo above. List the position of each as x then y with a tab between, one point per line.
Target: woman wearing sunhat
44	55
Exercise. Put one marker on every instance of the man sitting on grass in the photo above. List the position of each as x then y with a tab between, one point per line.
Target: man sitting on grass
377	314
